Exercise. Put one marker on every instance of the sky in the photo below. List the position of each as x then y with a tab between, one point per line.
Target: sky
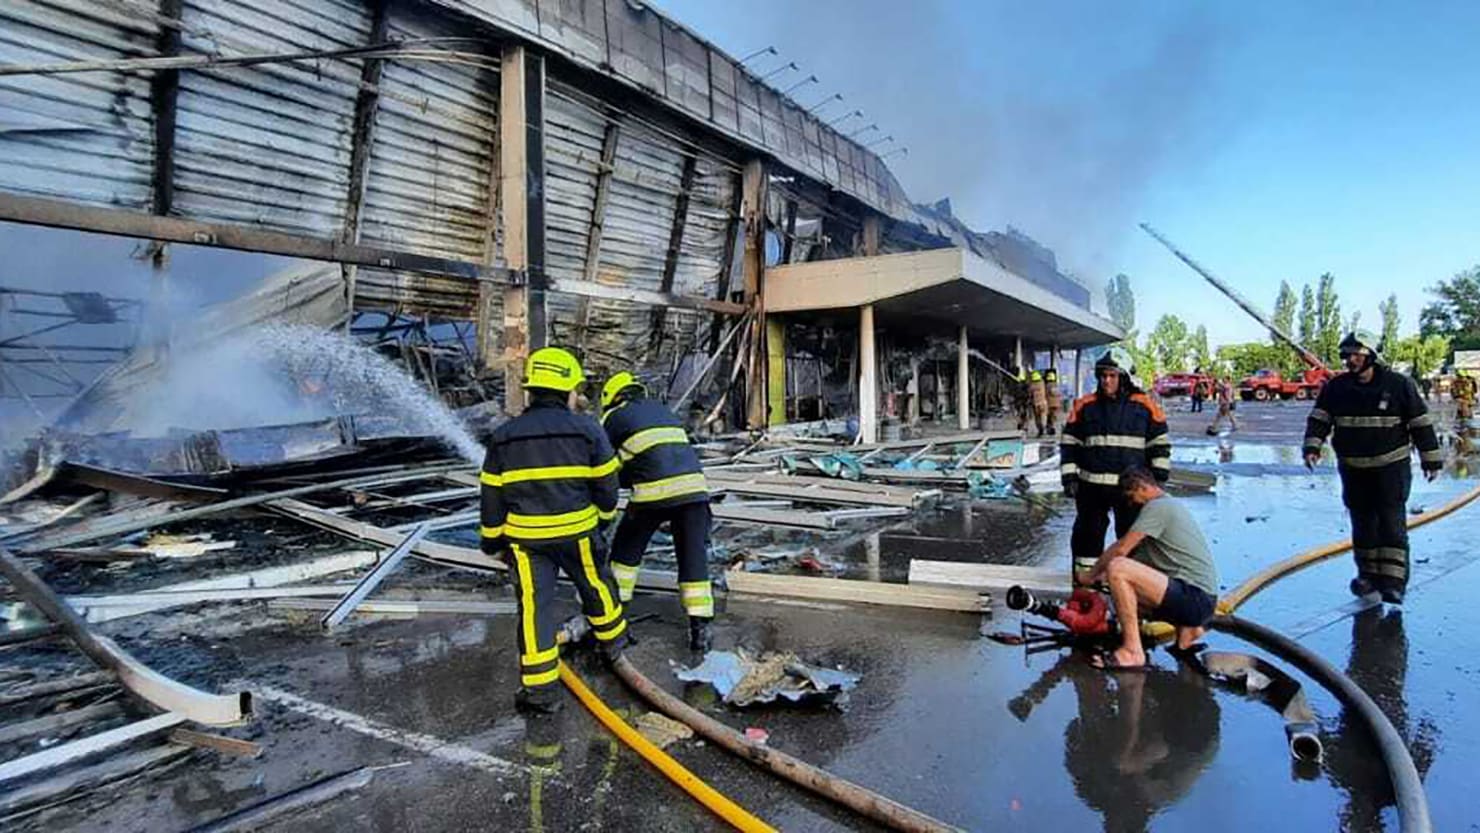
1271	141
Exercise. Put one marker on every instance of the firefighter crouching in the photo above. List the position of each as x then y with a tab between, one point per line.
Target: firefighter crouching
667	483
1374	417
1108	431
549	481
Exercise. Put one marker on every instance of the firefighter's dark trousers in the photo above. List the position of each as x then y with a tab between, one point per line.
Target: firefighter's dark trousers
536	567
1377	501
1093	506
689	523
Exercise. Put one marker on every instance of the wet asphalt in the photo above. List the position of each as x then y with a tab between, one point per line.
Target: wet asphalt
980	735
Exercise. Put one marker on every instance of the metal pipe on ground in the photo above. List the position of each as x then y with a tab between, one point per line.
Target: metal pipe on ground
1413	805
869	804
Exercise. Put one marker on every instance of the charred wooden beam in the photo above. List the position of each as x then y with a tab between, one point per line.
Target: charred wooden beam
754	180
522	200
164	91
727	258
598	222
675	246
791	231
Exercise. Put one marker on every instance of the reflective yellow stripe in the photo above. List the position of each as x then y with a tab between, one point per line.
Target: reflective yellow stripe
1159	441
1069	468
557	473
1319	415
1377	460
1069	440
650	437
1368	421
612	632
491	531
584	513
696	597
606	516
1435	456
682	484
488	478
541	657
526	599
610	610
1116	441
1100	479
1421	421
626	580
1314	442
542	678
1162	463
540	527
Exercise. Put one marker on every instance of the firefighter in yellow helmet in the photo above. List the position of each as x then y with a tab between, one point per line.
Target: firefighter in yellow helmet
667	483
549	481
1464	395
1040	399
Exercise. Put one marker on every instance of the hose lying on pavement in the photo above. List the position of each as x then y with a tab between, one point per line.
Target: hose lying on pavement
1413	805
1232	600
737	816
885	811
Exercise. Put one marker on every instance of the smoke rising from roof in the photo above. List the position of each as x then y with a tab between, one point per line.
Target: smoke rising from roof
1050	117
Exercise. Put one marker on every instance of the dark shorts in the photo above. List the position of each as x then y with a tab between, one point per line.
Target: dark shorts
1184	605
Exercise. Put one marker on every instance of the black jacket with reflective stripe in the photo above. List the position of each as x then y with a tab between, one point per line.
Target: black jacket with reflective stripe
1107	435
1375	424
658	463
549	476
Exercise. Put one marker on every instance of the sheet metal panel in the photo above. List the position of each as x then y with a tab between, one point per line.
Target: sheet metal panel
686	65
577	25
269	145
89	137
635	44
430	185
574	129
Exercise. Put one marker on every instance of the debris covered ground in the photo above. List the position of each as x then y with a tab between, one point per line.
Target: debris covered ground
978	734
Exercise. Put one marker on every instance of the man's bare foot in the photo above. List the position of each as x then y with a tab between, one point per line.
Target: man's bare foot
1121	658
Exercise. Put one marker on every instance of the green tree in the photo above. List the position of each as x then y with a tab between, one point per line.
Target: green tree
1328	320
1456	313
1307	334
1201	355
1421	354
1284	321
1120	300
1170	344
1390	321
1243	359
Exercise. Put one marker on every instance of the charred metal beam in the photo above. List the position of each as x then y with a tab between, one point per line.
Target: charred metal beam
791	231
179	699
372	580
598	221
59	214
164	90
361	141
675	245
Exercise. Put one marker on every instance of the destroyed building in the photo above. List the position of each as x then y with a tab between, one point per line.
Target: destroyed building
587	174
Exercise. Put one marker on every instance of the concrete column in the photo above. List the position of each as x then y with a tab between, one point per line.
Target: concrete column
871	556
868	377
1078	375
1017	354
913	389
963	383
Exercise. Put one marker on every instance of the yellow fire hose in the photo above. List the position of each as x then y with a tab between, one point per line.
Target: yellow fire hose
1262	579
737	816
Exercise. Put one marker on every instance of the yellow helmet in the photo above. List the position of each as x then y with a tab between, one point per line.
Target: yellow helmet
1037	376
616	384
552	368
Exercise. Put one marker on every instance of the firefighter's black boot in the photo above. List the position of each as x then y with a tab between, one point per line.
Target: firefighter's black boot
1392	591
612	651
700	637
543	699
1363	586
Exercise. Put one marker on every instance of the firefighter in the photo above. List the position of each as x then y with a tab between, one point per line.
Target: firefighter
1020	397
1040	399
1464	395
1108	431
1055	399
667	483
549	481
1378	417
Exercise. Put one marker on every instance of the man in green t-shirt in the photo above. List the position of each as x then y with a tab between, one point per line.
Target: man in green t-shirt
1162	566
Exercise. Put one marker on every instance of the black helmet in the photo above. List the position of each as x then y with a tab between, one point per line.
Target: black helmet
1358	341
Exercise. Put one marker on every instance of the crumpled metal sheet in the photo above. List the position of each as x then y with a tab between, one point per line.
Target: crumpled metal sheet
743	680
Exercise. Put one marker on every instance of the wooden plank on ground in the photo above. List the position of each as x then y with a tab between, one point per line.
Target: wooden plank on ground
865	592
812	491
988	576
772	517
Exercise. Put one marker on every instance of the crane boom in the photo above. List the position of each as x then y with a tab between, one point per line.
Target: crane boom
1305	355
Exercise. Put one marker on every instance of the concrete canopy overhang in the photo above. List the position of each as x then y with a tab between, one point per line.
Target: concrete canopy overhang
948	287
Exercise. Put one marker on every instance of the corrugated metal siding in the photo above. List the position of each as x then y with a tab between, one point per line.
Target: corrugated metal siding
269	146
88	137
431	167
430	183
